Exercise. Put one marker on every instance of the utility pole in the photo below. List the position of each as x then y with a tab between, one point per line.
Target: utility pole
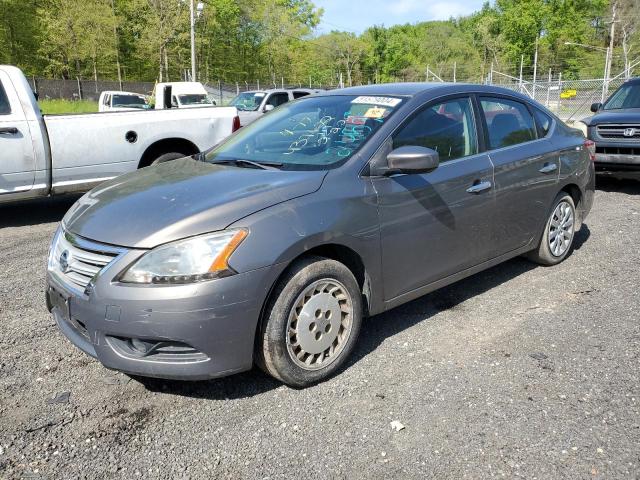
535	68
193	41
521	65
455	65
607	70
115	36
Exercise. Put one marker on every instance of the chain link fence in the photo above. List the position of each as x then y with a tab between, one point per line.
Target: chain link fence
78	89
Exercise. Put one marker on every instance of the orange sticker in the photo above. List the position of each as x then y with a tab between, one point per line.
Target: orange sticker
375	112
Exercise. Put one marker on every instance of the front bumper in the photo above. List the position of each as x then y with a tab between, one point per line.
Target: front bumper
186	332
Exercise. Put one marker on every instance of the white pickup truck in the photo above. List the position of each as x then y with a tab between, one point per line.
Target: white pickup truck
52	154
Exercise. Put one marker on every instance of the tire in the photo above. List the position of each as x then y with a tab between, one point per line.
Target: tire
167	157
553	249
311	322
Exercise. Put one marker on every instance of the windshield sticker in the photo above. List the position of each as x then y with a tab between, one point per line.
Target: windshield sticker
376	112
385	101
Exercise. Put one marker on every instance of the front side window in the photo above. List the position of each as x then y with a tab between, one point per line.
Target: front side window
447	127
314	133
248	101
5	108
278	99
509	122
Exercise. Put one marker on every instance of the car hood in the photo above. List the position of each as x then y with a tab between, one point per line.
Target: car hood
628	115
180	199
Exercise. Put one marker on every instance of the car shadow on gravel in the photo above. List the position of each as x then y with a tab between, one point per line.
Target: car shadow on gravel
35	212
374	331
618	184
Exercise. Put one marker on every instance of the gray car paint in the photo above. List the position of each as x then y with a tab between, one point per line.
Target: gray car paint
402	236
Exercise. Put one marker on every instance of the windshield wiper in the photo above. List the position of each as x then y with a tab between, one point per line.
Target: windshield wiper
241	161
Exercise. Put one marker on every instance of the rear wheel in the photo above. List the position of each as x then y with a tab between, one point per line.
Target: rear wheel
311	324
167	157
559	231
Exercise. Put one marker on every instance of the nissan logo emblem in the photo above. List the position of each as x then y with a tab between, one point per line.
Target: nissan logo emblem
629	132
65	258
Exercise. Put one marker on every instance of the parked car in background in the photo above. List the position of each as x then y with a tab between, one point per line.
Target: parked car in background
273	246
183	95
615	129
115	101
253	104
52	154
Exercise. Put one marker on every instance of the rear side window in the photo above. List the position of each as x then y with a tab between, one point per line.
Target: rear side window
5	108
446	127
543	122
278	99
300	94
509	122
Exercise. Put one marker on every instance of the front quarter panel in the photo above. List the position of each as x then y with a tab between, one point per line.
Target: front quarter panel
343	212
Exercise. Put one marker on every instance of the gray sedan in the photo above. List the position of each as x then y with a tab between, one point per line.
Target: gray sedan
272	247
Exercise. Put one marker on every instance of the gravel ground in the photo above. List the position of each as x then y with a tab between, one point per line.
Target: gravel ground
520	371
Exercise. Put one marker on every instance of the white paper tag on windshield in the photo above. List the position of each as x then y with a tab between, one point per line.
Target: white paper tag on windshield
386	101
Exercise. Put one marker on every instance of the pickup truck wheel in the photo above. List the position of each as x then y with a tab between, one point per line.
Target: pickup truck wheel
311	323
167	157
559	231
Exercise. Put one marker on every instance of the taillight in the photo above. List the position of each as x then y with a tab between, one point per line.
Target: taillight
236	124
590	146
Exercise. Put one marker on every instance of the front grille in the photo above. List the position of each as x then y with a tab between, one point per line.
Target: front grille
618	150
618	131
76	260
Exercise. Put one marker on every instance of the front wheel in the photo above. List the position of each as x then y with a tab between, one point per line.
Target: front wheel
311	324
559	231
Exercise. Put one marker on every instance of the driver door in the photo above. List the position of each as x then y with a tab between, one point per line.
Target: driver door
436	224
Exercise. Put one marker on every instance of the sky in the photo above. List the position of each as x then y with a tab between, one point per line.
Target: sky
357	15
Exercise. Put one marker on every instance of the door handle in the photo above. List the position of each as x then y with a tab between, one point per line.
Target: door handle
8	131
548	168
479	187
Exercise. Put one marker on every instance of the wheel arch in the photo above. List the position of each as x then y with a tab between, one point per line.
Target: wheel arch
576	194
333	251
167	145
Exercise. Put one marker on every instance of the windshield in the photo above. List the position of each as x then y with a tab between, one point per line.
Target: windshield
194	99
248	101
627	96
313	133
131	101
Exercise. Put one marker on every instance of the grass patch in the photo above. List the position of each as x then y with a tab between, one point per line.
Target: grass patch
50	107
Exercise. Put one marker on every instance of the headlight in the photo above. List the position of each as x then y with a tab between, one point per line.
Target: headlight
187	261
582	127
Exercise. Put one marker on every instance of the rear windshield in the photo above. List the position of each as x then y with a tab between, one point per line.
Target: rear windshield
194	99
313	133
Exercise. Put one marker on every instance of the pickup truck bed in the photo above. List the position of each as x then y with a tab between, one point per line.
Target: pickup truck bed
52	154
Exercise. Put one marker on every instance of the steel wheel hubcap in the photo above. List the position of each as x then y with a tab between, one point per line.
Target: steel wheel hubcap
319	324
561	229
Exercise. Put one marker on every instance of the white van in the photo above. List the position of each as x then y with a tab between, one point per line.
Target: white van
116	101
183	95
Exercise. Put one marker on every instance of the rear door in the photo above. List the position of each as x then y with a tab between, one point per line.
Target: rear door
526	171
17	157
436	224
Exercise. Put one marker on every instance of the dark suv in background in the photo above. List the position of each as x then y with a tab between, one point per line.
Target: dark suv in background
615	129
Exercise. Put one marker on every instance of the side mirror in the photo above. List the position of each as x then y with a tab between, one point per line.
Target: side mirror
595	107
412	159
268	108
